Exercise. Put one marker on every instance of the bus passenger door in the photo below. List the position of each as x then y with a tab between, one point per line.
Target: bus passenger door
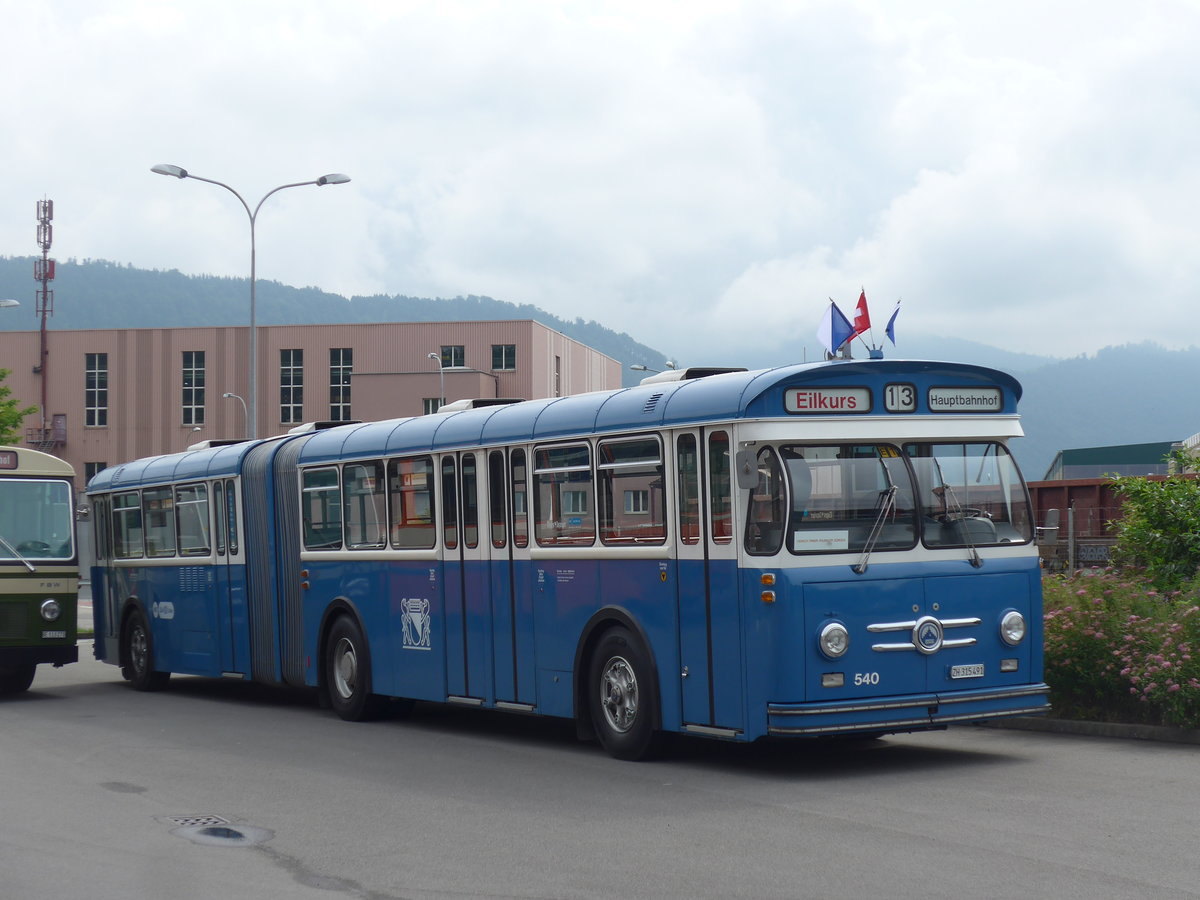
468	588
710	633
229	573
508	536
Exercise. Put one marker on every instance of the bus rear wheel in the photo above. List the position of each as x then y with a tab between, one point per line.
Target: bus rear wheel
623	701
348	673
137	651
15	679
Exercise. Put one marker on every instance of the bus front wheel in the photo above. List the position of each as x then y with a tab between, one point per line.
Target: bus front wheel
138	654
15	679
622	696
348	673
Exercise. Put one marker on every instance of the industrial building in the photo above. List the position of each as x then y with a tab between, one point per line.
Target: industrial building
114	396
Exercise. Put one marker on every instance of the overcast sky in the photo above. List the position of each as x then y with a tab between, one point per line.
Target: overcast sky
702	175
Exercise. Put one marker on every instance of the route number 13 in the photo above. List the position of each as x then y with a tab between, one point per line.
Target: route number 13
900	398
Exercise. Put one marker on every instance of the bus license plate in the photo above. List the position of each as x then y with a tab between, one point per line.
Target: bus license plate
975	671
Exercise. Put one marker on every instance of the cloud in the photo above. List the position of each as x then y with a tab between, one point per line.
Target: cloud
701	175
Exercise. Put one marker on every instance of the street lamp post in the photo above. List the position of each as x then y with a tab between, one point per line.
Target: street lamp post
7	302
441	378
245	412
178	172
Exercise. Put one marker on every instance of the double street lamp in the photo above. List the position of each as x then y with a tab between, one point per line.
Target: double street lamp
177	172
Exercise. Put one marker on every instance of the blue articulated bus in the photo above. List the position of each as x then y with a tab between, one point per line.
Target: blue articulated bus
833	548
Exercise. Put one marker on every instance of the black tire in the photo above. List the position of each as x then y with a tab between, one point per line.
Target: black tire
16	679
348	673
622	698
137	651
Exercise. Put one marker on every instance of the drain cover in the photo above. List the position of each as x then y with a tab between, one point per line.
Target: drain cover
199	821
215	831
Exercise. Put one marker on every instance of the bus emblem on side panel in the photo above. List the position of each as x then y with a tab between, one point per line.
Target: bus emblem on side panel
927	635
414	618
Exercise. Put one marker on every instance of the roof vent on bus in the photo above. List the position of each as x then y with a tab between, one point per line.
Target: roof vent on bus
216	442
320	426
478	403
652	402
689	373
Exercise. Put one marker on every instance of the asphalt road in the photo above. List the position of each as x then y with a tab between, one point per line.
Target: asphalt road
108	793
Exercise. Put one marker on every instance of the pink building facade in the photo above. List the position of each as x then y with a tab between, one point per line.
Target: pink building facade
114	396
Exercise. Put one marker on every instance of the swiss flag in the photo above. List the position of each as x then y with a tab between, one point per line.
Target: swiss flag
862	318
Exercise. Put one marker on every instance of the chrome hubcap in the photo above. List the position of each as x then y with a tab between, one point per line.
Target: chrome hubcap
619	694
345	669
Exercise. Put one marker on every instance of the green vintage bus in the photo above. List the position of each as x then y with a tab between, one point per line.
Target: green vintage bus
39	565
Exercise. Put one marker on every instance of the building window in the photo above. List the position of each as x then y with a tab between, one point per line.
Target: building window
193	387
453	356
95	389
430	405
291	386
504	357
341	364
91	469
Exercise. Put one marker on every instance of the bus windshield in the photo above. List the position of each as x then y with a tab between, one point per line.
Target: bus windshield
847	498
35	520
971	494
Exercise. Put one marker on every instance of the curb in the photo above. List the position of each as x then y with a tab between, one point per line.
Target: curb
1158	733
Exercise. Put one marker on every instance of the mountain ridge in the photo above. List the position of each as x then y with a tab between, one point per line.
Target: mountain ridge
1119	395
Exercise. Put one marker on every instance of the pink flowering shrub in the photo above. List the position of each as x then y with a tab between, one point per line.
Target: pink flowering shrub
1119	651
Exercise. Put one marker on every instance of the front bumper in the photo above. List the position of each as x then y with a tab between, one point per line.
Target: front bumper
912	712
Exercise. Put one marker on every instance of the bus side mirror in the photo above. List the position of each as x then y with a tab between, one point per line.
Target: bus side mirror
747	469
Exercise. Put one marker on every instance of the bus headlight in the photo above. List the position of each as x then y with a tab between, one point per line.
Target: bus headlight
1012	628
834	640
51	610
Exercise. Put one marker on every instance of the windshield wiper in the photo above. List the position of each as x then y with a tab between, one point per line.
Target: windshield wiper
953	512
13	550
887	506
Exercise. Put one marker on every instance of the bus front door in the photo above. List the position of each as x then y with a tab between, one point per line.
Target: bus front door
710	633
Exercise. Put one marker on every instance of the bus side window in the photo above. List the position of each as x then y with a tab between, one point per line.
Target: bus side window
629	474
231	518
766	516
191	517
520	520
689	489
410	485
720	501
127	526
497	509
470	501
219	505
321	509
158	511
563	506
364	508
449	505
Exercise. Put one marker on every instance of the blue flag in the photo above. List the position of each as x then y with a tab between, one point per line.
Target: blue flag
835	329
891	325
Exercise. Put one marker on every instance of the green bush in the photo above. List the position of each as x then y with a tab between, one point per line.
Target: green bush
1159	527
1117	650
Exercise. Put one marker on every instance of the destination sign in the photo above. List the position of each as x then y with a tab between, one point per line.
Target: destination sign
819	400
965	399
8	459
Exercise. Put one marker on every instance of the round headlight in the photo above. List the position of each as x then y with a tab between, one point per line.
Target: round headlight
834	640
51	610
1012	628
